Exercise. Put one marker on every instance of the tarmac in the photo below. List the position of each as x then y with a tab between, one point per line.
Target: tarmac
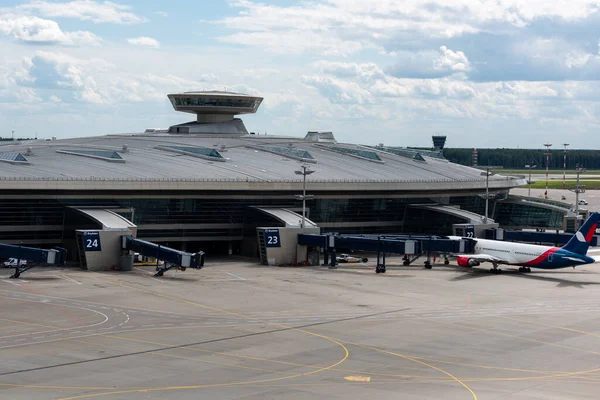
236	329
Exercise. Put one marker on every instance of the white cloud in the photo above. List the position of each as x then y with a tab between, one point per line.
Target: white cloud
391	88
527	89
43	31
347	26
85	10
363	71
144	41
338	91
449	60
445	88
161	13
295	42
58	71
61	76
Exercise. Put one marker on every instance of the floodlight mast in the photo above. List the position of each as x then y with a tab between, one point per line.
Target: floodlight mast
529	166
578	188
305	171
487	192
548	145
565	166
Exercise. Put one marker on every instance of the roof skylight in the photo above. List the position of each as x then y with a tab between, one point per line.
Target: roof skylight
106	155
13	158
358	153
200	152
408	153
289	152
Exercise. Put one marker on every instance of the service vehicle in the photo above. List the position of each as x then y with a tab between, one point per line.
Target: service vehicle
347	258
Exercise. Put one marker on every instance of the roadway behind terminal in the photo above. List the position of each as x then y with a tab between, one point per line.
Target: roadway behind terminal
236	329
591	196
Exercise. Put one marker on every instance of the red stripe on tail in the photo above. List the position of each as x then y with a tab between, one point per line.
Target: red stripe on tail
590	234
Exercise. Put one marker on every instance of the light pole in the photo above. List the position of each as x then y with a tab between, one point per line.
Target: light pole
565	166
548	145
529	166
305	171
578	188
487	192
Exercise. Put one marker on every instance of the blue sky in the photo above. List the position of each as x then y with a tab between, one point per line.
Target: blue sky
486	74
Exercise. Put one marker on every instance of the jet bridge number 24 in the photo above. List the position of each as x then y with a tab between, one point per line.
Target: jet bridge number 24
91	241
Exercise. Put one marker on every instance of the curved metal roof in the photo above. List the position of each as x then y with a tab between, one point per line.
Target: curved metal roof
245	167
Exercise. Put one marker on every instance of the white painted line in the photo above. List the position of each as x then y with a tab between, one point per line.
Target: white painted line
235	276
12	283
69	279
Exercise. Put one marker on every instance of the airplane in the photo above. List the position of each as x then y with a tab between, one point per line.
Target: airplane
526	256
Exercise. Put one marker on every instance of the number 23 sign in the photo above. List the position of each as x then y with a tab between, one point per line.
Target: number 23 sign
272	238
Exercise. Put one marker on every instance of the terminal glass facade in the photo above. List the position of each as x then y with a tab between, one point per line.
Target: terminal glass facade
186	220
514	215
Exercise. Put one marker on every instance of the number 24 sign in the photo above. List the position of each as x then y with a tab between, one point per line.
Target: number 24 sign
272	238
91	241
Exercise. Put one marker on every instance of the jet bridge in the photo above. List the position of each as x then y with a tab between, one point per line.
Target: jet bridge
172	258
411	246
32	255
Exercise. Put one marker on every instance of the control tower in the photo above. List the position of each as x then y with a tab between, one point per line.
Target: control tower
215	106
215	111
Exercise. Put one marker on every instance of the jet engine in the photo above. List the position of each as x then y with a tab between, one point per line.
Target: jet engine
466	262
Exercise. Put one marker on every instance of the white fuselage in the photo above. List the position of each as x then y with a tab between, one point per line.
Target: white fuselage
515	253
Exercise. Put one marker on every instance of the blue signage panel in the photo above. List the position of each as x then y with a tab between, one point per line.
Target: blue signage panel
272	238
91	241
469	231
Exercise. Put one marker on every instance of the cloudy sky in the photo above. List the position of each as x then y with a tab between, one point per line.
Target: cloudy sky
487	73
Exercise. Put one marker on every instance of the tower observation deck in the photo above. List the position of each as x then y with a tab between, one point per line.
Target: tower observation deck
215	106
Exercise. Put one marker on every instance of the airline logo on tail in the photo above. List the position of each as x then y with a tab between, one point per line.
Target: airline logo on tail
589	235
580	242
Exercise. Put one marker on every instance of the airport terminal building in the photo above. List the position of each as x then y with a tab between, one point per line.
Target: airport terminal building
207	184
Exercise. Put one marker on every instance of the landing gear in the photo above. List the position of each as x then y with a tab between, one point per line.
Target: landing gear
524	269
380	269
428	264
495	269
446	260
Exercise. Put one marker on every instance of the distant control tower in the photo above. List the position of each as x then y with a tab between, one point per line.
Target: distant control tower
213	108
438	142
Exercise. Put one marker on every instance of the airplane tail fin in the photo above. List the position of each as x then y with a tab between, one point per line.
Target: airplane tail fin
580	242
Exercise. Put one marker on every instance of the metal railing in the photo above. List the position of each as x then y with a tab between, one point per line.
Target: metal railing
96	179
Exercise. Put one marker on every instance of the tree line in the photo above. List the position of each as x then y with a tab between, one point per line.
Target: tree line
518	158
